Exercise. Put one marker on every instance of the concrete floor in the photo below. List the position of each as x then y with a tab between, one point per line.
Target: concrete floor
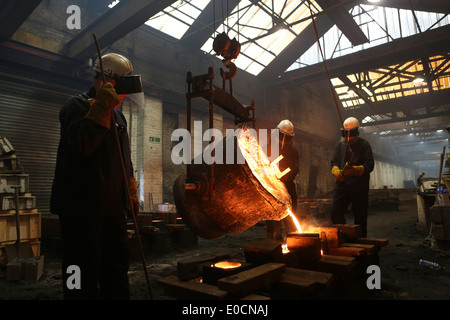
401	276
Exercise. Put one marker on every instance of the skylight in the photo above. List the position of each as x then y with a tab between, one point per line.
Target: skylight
380	24
392	82
176	19
264	29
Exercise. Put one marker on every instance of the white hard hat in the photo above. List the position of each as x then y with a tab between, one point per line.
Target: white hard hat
351	123
286	127
114	65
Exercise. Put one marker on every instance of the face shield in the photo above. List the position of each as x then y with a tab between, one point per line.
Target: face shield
285	139
132	106
131	88
128	84
349	134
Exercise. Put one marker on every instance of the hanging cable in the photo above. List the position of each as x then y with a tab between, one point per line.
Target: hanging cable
228	18
214	18
223	15
331	85
238	29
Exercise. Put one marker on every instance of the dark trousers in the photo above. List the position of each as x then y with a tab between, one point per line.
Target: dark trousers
359	199
99	247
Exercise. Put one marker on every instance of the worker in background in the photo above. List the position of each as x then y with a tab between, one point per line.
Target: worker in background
89	189
420	179
290	160
351	165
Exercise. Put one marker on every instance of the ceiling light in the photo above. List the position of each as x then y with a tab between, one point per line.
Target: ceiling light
113	4
373	1
418	77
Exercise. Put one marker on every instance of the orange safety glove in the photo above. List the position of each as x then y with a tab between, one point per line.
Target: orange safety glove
337	173
105	101
133	195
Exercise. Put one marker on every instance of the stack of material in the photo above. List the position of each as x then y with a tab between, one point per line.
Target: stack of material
268	273
14	192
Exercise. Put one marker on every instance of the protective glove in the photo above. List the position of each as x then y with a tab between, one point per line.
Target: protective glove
353	170
133	195
105	101
358	170
337	173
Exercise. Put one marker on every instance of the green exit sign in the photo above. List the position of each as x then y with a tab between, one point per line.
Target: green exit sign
154	139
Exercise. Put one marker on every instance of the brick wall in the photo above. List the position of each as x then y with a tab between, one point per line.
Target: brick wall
145	127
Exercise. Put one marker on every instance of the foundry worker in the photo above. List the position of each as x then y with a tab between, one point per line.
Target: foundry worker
420	179
351	165
89	189
290	160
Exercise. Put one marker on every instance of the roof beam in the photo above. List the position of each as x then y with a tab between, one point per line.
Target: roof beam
440	6
117	22
422	126
409	103
296	48
437	41
416	117
344	21
13	14
363	95
203	27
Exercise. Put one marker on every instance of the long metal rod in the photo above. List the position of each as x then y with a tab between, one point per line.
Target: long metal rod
100	61
125	176
332	88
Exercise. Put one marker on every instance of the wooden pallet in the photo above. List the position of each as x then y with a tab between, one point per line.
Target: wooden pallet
30	226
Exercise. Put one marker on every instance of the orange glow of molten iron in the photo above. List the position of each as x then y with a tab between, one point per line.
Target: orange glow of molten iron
226	264
297	224
284	247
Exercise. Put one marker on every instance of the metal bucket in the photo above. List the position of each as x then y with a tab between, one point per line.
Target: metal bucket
242	196
240	202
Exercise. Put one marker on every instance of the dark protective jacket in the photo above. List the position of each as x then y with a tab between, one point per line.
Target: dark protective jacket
290	160
89	180
362	152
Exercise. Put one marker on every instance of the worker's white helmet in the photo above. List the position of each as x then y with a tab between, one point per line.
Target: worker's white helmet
286	127
115	65
350	130
351	123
